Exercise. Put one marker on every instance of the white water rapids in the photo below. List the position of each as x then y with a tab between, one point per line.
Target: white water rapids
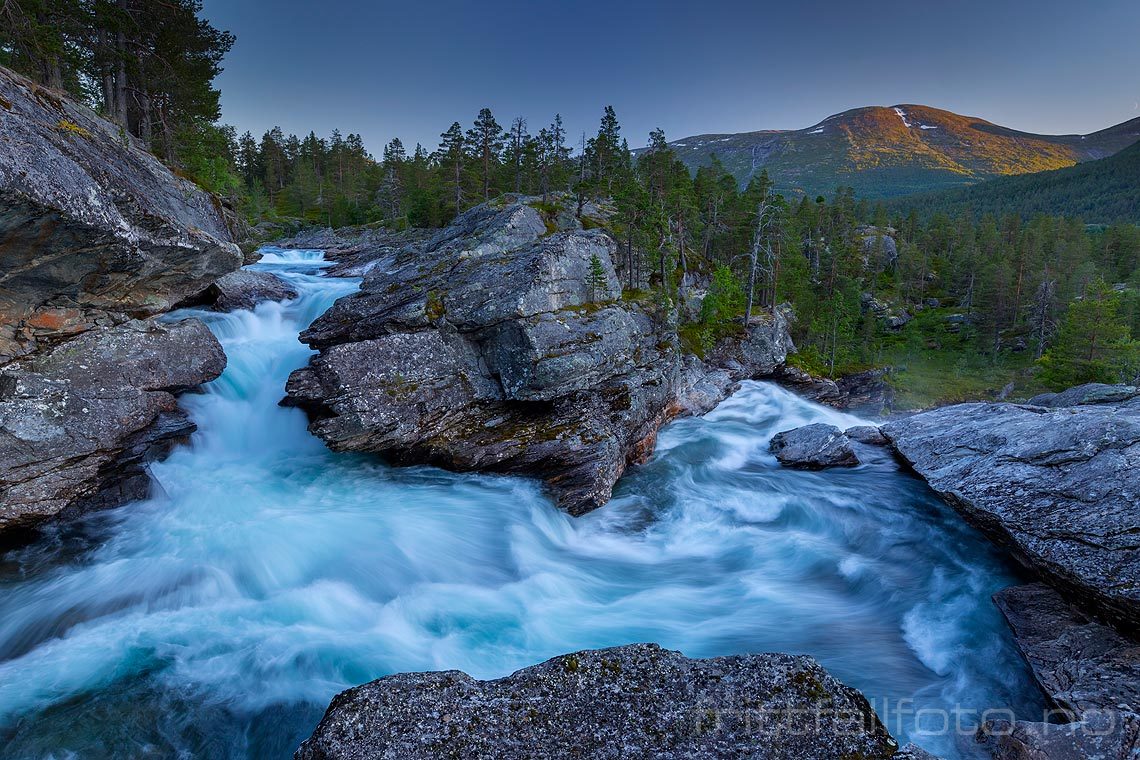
218	618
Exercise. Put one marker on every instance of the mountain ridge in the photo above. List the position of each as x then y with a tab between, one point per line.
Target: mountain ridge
887	151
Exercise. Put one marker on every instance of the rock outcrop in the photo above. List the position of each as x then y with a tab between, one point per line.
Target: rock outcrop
632	701
93	231
78	423
1084	395
504	346
813	447
1103	736
1060	487
1089	672
864	393
96	236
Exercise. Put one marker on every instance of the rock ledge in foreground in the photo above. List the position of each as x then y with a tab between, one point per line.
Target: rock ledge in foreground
632	701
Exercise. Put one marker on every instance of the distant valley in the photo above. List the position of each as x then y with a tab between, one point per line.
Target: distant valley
884	152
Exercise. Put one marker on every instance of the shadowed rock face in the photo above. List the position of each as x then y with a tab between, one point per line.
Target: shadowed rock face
78	423
1082	666
497	345
632	701
246	288
92	231
1088	671
1060	487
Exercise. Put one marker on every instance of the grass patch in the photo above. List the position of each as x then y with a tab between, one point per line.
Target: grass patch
936	366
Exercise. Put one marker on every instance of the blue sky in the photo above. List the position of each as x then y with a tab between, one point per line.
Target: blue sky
408	69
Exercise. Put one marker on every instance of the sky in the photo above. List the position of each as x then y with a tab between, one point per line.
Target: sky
389	69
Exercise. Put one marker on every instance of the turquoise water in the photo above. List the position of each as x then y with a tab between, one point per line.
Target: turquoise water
218	618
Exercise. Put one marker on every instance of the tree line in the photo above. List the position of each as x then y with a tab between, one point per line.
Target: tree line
856	276
1045	288
146	65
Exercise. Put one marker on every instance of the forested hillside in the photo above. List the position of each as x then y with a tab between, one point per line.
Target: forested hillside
961	304
1099	192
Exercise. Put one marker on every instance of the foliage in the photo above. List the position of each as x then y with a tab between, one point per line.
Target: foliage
147	66
1099	192
1093	345
725	299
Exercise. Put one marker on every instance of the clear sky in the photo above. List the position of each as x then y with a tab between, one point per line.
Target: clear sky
408	69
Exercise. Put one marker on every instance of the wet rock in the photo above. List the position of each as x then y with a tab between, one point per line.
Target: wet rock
246	288
1104	736
813	447
78	423
863	393
92	229
1059	487
1081	665
499	345
632	701
868	434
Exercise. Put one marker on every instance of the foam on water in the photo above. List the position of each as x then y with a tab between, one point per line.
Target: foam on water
218	618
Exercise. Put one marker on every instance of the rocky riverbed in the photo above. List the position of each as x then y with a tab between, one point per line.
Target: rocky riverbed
501	344
1056	483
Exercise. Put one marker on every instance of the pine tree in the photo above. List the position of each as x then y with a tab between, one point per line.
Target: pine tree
486	141
596	280
1093	344
451	155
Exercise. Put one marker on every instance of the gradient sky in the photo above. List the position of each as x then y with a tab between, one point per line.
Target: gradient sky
408	69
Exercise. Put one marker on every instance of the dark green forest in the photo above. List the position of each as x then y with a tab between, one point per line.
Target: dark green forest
960	293
1099	192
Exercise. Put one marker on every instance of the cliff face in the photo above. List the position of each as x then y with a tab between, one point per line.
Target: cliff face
92	230
503	346
95	237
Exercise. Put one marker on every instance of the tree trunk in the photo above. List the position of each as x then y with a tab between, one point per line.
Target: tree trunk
120	114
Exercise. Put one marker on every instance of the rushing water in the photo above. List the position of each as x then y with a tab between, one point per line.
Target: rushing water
218	618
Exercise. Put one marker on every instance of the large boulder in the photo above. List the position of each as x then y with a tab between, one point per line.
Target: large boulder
78	423
93	230
1060	487
632	701
246	288
813	447
499	344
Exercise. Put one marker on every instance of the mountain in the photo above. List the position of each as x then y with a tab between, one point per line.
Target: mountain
1099	192
888	151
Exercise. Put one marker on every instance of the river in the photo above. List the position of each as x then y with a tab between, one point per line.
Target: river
218	618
